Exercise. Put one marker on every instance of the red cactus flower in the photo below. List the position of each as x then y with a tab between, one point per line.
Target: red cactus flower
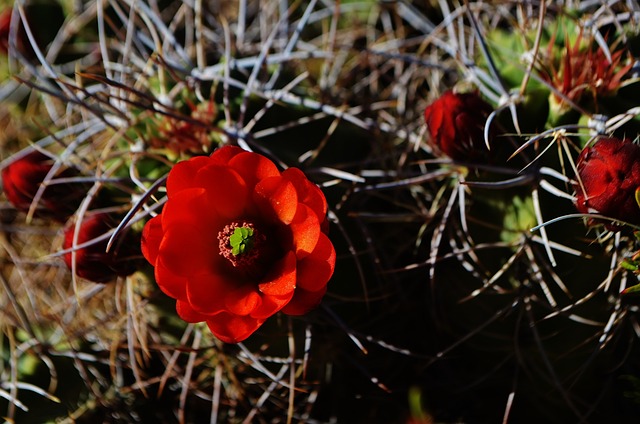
22	179
608	177
92	261
456	122
238	241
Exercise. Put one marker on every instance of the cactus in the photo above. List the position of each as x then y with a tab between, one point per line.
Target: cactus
474	162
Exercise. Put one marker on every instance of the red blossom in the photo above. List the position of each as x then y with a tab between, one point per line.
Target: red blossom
92	261
22	179
609	175
238	240
456	122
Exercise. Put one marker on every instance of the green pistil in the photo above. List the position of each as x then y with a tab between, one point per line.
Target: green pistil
243	245
241	240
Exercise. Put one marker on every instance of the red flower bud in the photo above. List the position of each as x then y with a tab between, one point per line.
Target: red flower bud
456	125
22	179
44	20
92	261
5	24
21	39
192	134
609	174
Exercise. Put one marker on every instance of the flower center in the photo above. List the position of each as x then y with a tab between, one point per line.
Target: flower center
241	240
241	244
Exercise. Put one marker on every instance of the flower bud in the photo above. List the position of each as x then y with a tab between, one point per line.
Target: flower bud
608	177
5	24
193	134
93	262
455	123
44	20
22	179
5	32
585	73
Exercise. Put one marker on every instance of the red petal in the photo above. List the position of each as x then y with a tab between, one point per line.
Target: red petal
436	115
21	179
277	199
308	193
456	124
610	173
171	284
271	304
315	270
433	116
187	313
253	167
305	228
151	238
182	175
281	279
188	208
243	300
207	293
189	245
188	251
223	155
233	328
303	301
226	190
